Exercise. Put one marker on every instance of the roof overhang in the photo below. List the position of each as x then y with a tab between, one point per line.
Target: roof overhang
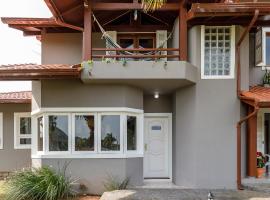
259	94
38	72
16	97
228	13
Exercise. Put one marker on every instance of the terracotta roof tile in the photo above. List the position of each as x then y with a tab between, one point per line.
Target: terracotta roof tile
16	97
262	94
35	72
28	21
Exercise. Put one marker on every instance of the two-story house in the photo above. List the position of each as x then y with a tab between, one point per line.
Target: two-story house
172	95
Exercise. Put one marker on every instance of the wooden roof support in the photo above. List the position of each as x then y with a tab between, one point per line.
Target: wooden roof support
130	6
87	33
183	32
56	13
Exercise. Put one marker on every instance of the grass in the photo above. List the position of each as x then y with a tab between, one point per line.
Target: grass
2	190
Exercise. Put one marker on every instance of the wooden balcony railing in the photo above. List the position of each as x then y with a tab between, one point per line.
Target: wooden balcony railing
154	53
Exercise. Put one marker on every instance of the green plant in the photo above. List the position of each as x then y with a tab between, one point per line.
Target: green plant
266	78
39	184
261	160
114	183
152	5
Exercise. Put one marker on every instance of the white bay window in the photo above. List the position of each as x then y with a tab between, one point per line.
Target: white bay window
1	131
217	52
89	134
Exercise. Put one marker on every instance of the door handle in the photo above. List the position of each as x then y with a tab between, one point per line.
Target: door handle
145	147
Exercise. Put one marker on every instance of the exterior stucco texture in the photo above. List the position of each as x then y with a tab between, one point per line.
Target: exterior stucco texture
93	172
12	159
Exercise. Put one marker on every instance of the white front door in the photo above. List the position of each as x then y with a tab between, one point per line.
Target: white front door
156	147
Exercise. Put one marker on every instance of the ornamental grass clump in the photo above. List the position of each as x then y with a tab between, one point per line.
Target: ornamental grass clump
114	183
39	184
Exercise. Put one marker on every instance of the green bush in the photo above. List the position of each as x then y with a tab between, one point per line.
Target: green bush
39	184
113	183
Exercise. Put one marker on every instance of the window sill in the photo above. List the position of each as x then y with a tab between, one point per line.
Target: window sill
89	156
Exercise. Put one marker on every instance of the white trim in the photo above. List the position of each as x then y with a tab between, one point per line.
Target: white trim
232	65
101	155
47	149
263	63
74	135
17	134
169	116
121	118
97	113
86	109
1	131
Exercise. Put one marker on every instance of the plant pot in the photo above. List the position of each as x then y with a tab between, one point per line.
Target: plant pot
266	85
260	172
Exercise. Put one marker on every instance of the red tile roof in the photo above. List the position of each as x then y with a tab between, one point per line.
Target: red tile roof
37	72
261	94
16	97
29	21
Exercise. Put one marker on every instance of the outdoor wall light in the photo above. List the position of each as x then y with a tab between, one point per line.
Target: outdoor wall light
156	95
135	15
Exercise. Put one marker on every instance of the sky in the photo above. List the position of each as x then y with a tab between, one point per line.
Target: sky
14	47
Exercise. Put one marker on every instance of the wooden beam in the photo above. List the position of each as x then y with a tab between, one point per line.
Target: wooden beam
71	9
87	33
56	13
131	6
183	32
138	28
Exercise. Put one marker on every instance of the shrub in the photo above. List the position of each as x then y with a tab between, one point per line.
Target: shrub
113	183
39	184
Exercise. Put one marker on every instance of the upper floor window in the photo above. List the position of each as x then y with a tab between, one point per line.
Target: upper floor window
1	131
217	52
22	131
262	47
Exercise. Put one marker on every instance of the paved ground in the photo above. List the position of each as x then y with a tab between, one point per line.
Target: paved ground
183	194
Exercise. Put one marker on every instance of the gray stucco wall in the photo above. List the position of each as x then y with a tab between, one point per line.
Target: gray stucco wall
94	172
204	139
66	48
161	105
74	93
12	159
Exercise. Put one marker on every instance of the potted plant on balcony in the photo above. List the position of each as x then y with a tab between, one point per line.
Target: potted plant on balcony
266	79
261	160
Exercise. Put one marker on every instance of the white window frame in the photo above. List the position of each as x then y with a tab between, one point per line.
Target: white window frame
74	135
139	135
17	134
232	65
121	131
44	134
97	112
47	148
263	64
1	132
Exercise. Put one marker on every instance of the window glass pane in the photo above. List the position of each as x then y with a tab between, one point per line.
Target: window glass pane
40	133
131	133
84	132
110	133
58	133
268	49
25	125
217	59
25	141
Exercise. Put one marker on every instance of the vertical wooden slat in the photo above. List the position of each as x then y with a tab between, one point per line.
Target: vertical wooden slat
252	144
182	32
87	34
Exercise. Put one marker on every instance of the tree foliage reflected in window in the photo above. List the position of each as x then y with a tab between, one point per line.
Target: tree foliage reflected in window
84	133
131	133
58	133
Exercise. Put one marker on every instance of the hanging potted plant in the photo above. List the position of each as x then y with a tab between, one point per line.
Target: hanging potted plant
266	79
261	160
